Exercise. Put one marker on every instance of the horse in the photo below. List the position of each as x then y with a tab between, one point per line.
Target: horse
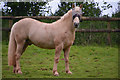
58	35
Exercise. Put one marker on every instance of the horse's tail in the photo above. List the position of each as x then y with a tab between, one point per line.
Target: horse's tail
11	49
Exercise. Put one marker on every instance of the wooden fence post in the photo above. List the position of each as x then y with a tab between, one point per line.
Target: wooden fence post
108	35
10	23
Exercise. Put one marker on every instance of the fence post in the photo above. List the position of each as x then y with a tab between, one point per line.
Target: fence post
108	35
10	23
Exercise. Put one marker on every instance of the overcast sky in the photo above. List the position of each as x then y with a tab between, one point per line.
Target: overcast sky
54	6
114	8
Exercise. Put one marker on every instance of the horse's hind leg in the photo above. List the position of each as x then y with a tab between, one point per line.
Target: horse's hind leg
66	58
14	69
19	51
24	48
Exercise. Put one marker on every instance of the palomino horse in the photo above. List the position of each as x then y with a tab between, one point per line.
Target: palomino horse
58	35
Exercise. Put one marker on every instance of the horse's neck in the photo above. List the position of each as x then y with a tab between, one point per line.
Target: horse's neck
68	22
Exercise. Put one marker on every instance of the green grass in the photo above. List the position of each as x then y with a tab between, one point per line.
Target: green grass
85	62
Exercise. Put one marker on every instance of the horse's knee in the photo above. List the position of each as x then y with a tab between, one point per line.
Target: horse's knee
58	50
66	60
56	60
17	56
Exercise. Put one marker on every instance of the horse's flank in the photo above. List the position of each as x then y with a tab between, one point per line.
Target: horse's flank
46	35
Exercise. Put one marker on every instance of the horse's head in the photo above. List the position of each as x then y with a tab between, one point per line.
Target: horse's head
76	15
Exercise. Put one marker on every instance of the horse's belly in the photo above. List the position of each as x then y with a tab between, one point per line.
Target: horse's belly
44	44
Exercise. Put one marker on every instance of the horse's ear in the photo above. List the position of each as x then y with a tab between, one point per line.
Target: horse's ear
81	6
73	5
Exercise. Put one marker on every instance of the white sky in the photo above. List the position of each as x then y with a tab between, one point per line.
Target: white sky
54	6
114	8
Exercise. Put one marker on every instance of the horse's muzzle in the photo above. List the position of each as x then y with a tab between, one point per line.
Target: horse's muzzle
76	25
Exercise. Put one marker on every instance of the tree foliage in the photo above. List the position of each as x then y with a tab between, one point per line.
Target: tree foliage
40	8
91	10
24	8
88	9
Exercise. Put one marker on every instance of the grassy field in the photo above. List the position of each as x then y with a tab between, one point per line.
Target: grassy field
85	62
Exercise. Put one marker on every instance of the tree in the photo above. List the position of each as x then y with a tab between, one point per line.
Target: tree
63	8
88	9
24	8
91	10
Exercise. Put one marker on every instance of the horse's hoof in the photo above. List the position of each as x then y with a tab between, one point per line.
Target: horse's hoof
19	72
68	72
56	74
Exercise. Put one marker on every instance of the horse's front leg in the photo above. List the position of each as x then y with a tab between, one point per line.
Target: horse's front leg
56	59
66	58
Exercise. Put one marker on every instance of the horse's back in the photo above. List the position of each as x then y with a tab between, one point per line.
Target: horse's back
37	32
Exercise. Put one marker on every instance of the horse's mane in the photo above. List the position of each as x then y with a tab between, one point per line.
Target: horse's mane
66	15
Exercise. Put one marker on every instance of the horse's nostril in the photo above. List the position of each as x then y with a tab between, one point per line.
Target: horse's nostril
76	24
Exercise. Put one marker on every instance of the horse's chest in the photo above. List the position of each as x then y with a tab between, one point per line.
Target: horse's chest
68	39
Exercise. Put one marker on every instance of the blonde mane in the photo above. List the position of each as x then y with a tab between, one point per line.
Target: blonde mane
66	15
